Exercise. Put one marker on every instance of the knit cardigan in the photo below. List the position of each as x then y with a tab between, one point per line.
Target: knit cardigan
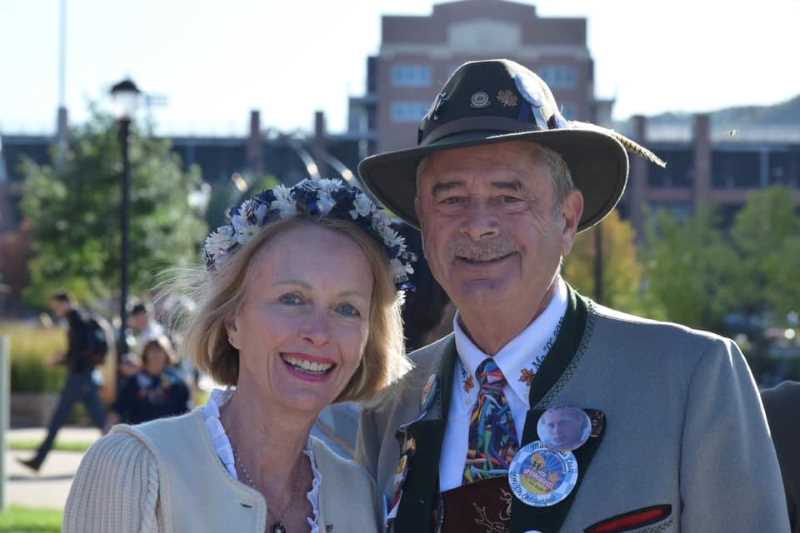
164	476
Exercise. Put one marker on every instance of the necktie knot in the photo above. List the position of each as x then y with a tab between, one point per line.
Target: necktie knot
489	375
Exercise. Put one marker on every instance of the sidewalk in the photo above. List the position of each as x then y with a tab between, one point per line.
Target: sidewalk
50	487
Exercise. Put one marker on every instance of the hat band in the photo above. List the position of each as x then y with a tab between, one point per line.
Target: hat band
465	125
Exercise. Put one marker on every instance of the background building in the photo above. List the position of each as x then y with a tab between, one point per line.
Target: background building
418	53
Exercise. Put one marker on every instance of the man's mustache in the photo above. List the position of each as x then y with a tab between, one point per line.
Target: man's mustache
480	251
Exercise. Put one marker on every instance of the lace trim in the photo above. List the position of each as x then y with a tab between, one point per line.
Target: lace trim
222	445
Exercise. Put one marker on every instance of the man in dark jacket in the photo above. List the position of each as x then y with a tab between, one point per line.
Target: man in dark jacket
782	405
80	384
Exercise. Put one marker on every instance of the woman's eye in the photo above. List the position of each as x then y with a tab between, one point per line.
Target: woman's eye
291	299
348	310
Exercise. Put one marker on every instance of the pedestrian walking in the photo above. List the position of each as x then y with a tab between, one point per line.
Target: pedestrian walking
87	347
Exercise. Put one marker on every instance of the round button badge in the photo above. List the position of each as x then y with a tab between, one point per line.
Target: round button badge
564	428
541	476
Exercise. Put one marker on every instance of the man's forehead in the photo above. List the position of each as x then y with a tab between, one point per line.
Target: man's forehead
484	165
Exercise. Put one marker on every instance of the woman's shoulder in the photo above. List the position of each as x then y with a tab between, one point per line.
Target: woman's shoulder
118	475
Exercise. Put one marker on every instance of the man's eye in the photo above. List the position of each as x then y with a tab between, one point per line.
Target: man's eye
453	200
348	310
511	199
291	299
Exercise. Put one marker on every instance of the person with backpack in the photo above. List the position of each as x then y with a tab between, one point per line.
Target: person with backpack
87	347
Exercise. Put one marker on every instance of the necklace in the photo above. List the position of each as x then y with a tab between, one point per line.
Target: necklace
277	526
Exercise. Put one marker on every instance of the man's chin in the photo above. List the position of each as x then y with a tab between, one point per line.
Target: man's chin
476	293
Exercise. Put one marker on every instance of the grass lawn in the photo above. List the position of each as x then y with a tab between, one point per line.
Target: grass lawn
61	446
26	520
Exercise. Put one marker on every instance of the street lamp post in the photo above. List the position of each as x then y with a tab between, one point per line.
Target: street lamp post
125	96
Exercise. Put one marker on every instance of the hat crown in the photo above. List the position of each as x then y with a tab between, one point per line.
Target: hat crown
496	95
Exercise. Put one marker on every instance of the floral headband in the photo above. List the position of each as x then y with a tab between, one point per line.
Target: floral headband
311	198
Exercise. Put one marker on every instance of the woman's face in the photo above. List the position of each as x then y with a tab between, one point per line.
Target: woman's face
304	321
156	361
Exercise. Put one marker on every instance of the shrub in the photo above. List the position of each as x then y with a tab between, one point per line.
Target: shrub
31	348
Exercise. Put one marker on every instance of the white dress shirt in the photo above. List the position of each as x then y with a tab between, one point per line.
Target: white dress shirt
519	360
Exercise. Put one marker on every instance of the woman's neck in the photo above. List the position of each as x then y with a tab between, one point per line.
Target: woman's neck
269	443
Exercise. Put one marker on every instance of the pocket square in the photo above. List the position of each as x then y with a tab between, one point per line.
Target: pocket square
631	520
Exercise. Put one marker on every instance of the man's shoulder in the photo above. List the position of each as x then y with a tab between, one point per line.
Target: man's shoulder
614	322
426	361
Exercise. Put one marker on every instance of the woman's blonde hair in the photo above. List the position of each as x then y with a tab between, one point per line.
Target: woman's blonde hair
220	294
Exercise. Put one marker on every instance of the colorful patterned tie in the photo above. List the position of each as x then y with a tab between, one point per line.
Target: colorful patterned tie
492	436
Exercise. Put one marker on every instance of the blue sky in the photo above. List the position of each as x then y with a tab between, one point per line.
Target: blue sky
214	61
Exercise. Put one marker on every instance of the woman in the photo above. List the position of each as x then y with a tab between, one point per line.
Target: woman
156	391
299	309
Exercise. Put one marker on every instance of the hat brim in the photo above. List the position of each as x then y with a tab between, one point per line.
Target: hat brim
597	161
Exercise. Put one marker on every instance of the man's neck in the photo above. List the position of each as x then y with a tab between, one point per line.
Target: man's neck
491	328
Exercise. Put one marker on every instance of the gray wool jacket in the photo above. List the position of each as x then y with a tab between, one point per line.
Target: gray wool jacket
685	432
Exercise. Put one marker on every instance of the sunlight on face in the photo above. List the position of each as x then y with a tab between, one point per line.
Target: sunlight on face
303	326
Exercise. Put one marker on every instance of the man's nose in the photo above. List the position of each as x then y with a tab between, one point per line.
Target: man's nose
480	223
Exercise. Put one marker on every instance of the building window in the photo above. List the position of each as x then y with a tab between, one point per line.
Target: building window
559	76
406	111
411	76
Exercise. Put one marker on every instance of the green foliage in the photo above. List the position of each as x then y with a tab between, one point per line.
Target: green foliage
692	271
622	271
16	519
31	348
75	214
766	234
31	445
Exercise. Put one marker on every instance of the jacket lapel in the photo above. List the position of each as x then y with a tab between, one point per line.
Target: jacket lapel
421	485
568	345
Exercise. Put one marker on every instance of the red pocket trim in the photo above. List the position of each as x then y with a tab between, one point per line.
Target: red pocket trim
631	520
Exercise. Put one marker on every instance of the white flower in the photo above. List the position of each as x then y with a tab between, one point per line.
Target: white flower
219	241
325	202
328	185
245	233
362	206
261	212
284	202
400	271
391	238
380	222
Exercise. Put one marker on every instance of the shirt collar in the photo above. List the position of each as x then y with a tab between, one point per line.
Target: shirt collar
521	357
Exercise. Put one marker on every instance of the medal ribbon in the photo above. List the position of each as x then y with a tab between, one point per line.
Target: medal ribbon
492	436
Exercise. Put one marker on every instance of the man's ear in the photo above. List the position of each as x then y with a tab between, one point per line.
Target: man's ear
571	212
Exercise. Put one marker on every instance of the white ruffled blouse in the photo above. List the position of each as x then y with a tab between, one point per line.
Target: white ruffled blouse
222	445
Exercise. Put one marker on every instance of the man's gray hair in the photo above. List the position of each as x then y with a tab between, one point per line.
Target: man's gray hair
559	172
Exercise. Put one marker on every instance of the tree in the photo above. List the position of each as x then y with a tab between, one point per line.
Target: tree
765	234
622	272
74	214
691	270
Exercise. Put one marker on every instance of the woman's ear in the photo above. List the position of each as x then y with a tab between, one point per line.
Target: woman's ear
233	332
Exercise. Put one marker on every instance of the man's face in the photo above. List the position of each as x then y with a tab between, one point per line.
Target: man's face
492	233
58	307
563	428
138	321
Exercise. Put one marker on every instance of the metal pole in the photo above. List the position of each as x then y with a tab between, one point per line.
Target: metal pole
5	397
124	134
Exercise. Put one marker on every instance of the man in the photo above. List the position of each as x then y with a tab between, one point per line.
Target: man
499	185
782	405
80	384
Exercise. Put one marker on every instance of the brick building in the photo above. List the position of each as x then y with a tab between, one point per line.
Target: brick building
418	53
